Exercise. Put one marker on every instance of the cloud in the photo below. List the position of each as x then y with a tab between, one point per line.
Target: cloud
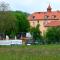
33	5
26	2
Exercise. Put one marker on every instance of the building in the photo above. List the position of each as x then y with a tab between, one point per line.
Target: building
45	19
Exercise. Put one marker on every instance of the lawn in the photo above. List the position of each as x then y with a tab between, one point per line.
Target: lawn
34	52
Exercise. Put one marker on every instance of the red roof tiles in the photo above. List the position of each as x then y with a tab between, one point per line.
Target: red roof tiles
41	15
51	23
52	17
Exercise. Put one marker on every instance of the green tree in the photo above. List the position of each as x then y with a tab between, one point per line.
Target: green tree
52	35
7	23
36	34
4	6
22	21
7	20
12	22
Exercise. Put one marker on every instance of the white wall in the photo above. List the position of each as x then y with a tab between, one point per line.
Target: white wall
10	42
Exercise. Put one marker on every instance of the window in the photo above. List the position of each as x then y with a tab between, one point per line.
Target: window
46	17
33	17
53	16
38	21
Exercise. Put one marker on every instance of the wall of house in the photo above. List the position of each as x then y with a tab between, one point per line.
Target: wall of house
41	22
42	28
33	23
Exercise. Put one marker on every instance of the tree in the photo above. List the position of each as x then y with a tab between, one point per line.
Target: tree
7	20
12	22
4	6
7	23
36	33
53	35
22	21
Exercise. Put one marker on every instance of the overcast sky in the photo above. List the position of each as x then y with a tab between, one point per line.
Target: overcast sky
33	5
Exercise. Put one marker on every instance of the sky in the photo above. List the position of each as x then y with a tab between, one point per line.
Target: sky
31	6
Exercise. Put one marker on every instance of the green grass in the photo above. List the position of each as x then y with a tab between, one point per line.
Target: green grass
35	52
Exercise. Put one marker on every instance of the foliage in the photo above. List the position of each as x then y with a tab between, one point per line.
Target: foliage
36	34
12	22
7	20
7	23
53	35
22	21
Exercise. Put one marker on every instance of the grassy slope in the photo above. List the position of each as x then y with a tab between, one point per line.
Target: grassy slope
43	52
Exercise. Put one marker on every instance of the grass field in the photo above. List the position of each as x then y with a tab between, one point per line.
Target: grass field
36	52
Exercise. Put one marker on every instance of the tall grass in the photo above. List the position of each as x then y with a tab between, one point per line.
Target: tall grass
35	52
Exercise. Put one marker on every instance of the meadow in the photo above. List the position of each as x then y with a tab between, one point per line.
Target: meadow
33	52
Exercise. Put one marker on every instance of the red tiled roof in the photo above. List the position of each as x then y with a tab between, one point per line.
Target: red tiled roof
51	23
41	15
36	15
